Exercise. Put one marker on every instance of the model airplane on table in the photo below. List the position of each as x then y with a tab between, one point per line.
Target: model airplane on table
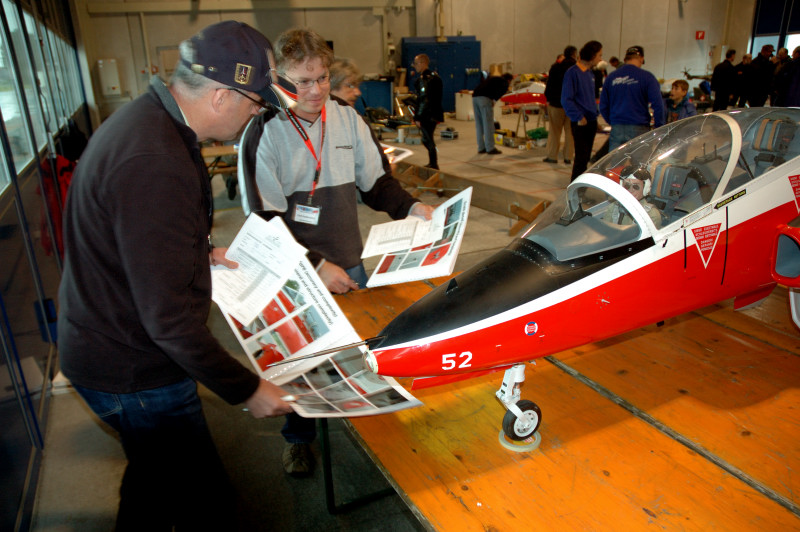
597	263
530	93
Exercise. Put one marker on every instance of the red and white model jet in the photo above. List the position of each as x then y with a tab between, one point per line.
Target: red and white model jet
695	212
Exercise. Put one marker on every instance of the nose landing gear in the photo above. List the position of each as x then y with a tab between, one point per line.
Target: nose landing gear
522	418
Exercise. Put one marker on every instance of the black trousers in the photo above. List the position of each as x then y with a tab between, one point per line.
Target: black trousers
583	137
427	128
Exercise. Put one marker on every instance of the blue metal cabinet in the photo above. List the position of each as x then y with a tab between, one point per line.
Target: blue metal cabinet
457	61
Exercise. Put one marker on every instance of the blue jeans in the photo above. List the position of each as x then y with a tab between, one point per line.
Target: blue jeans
299	430
174	478
622	133
484	122
358	274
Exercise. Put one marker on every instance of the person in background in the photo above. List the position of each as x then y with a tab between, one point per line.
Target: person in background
577	99
345	79
428	111
624	102
484	97
763	70
781	60
723	82
678	105
308	161
558	119
136	289
744	81
787	82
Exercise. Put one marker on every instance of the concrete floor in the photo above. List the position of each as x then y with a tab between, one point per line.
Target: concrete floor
83	461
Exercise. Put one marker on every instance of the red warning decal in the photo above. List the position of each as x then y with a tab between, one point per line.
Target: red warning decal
794	181
706	238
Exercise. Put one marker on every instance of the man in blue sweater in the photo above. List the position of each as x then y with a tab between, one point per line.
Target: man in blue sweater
577	99
626	94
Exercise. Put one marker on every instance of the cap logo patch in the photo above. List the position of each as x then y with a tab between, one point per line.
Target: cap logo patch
243	73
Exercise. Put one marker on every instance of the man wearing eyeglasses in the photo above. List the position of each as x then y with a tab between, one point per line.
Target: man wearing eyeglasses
345	80
308	162
136	288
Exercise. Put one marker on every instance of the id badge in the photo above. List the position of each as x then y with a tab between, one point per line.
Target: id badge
306	214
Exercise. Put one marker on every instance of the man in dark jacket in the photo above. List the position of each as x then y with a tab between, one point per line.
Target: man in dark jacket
723	81
136	288
763	69
428	111
744	81
484	96
558	119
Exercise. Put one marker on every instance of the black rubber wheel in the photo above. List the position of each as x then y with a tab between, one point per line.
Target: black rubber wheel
522	428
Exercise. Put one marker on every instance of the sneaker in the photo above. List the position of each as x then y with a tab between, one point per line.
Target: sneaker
568	161
548	160
298	461
481	151
494	151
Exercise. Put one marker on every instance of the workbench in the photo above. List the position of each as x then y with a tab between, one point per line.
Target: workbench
691	425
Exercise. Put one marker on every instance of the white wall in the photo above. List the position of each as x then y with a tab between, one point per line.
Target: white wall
528	34
531	33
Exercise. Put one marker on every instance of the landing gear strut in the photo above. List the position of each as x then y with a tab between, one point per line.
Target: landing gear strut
523	417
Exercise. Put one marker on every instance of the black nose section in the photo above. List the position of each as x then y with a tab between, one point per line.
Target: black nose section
522	272
509	278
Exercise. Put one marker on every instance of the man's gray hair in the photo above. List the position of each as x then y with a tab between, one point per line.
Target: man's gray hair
342	69
188	82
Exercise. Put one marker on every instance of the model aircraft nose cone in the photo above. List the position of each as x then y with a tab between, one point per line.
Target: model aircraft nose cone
370	362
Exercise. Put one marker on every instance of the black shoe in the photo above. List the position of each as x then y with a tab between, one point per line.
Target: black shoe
481	151
568	161
230	185
494	151
548	160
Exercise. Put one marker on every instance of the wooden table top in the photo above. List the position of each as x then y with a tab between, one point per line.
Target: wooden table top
693	425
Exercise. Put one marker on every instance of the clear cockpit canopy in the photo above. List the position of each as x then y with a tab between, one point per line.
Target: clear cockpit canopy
679	167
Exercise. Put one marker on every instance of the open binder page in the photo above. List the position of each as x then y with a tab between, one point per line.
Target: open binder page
415	249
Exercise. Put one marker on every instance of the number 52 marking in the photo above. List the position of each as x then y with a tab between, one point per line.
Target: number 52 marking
449	361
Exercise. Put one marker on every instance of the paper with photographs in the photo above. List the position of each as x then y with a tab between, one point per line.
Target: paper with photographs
260	248
302	318
415	249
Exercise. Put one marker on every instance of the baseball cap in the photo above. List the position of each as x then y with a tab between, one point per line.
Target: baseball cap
232	53
634	51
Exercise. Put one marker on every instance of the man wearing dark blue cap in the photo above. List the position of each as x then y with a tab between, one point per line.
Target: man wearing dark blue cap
625	97
135	292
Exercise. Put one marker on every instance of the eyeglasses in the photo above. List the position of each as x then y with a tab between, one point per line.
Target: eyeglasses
629	186
322	81
259	103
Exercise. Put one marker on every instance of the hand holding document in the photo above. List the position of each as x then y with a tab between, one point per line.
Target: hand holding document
293	319
260	248
415	249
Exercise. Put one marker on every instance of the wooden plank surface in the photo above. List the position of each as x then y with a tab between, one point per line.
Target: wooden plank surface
689	426
485	195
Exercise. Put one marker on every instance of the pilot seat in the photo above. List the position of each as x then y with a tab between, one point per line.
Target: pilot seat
771	142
